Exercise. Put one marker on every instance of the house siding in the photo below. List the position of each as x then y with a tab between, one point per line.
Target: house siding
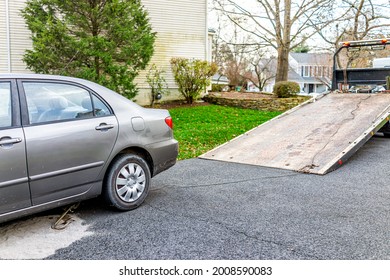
19	37
3	38
181	27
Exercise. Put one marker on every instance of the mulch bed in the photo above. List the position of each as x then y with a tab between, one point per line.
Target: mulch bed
243	95
179	103
230	95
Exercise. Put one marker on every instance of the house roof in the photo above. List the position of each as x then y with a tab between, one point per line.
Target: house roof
294	76
219	79
312	58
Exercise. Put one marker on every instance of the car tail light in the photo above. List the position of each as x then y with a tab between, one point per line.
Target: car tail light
169	122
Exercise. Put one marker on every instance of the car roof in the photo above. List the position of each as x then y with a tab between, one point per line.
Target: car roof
92	85
39	76
115	98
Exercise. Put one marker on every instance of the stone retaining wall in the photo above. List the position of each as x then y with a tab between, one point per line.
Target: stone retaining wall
262	104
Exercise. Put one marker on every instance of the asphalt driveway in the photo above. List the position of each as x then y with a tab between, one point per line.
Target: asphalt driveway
204	209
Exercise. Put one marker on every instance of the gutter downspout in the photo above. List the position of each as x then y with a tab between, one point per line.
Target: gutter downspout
8	34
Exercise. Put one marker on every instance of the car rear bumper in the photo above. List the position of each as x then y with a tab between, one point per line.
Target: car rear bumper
164	155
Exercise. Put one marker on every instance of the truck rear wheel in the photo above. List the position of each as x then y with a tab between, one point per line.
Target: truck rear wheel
385	130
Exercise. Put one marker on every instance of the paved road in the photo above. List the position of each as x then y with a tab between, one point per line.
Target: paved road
202	209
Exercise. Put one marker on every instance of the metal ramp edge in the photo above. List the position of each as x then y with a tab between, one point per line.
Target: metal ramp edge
354	146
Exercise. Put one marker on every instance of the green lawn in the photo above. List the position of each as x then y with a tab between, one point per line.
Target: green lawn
199	129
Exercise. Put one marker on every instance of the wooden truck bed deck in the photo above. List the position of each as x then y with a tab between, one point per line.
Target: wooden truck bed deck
315	137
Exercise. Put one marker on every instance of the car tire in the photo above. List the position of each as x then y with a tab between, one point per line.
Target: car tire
127	182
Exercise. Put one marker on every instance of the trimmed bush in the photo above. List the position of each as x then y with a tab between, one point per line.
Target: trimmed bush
286	89
217	87
157	83
192	76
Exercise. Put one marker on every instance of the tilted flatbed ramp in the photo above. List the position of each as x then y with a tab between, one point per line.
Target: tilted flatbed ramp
314	137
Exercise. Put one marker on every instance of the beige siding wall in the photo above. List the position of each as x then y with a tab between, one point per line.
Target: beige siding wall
19	37
181	30
3	38
181	27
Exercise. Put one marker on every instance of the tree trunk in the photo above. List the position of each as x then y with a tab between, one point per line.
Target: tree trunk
284	43
282	66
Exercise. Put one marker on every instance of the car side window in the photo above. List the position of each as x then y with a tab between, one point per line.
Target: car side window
48	102
100	108
5	105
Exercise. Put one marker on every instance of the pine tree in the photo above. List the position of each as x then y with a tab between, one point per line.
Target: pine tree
105	41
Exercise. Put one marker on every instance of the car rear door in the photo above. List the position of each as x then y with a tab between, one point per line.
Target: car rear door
14	187
70	133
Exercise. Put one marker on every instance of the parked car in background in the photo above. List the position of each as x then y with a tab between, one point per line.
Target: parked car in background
367	89
378	89
63	140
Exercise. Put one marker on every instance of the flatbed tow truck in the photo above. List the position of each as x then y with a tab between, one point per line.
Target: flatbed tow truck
319	135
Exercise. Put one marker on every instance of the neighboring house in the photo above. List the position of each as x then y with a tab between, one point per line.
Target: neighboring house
219	79
312	71
181	28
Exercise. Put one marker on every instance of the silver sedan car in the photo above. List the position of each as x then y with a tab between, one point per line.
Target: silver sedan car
63	140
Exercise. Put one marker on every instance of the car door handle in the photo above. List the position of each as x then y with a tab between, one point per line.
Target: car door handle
104	127
7	141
